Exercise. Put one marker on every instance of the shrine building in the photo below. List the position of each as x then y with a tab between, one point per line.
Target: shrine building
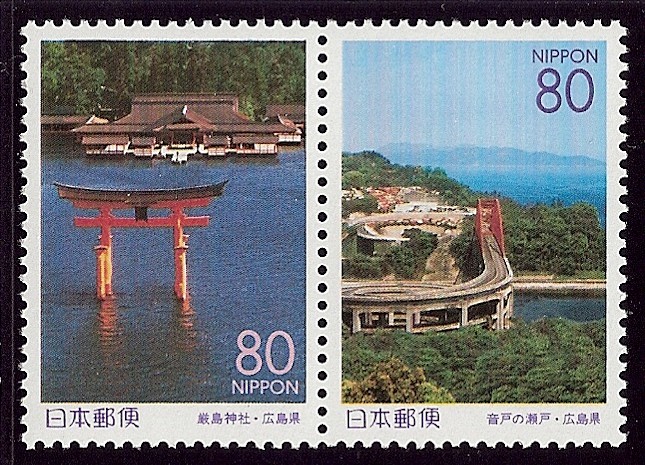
291	115
62	124
186	124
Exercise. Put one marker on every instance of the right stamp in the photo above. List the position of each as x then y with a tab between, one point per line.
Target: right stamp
479	235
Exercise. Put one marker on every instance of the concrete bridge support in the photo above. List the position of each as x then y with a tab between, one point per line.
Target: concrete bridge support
356	321
423	316
499	307
464	314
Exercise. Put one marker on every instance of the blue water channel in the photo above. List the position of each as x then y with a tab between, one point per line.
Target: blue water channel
532	306
246	270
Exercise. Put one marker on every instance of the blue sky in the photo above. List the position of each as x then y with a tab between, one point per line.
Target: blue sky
450	94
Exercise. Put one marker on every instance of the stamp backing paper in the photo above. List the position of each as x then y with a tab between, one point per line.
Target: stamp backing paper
322	234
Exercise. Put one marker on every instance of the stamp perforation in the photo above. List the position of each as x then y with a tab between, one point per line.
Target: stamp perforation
323	41
622	357
322	236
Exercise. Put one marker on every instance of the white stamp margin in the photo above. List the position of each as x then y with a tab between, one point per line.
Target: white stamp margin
169	422
453	426
467	422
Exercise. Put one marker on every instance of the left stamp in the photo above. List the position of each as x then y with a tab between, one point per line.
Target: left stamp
139	137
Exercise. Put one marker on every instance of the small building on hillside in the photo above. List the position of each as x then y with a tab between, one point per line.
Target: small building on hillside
179	125
290	115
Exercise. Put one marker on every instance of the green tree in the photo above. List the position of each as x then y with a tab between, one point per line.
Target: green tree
544	238
354	179
378	171
364	267
403	261
85	76
368	204
69	79
394	382
549	360
422	243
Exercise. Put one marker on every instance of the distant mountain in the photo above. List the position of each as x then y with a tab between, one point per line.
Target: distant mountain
470	156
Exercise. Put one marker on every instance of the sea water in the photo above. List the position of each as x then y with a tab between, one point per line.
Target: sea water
246	270
532	185
531	306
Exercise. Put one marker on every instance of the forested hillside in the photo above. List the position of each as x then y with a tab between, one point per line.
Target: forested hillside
554	239
102	77
549	360
558	239
373	169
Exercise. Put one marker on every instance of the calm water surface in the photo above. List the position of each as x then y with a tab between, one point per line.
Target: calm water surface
246	270
539	184
531	307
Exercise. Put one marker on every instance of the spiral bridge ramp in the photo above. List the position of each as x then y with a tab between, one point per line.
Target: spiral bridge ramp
486	300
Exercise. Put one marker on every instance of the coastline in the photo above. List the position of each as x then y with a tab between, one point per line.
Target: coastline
548	286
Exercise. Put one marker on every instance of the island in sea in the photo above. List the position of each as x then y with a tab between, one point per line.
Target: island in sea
555	251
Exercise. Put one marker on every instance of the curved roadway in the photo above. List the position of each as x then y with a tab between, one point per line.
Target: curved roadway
497	274
364	224
410	216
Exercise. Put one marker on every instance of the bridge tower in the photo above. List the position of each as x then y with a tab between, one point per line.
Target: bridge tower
488	221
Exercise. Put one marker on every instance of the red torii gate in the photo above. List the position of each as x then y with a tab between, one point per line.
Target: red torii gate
106	200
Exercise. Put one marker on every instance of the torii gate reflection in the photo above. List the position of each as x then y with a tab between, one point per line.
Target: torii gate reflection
106	200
